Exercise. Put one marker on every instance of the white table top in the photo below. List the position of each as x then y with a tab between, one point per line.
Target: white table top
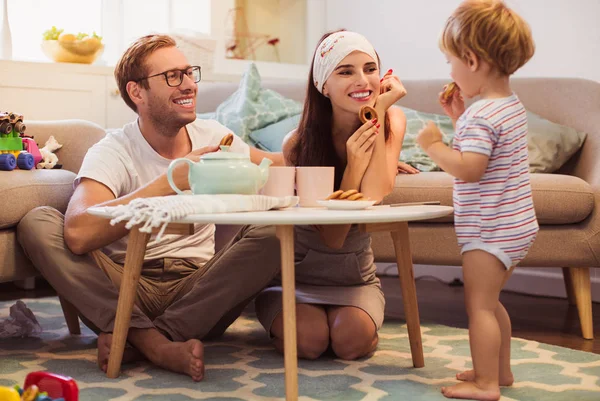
301	216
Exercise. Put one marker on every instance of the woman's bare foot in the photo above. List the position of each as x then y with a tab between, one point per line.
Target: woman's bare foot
182	357
470	391
505	380
130	354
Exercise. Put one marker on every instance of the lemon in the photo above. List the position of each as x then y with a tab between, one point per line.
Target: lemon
92	42
67	37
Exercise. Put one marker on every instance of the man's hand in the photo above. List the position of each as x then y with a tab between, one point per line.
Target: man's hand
429	135
180	172
194	155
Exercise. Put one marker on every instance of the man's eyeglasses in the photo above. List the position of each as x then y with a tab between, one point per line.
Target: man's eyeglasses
175	77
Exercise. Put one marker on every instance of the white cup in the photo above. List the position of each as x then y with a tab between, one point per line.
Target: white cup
313	184
280	182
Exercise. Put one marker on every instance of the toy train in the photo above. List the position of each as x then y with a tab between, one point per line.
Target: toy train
16	149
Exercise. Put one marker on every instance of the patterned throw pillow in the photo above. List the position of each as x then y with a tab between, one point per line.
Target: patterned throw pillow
411	151
252	107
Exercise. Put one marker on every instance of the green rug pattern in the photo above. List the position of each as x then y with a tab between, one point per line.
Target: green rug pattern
242	365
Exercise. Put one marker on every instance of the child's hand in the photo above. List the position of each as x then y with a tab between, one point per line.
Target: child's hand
391	90
454	106
429	135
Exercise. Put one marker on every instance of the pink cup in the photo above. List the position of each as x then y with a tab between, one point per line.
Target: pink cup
313	184
280	182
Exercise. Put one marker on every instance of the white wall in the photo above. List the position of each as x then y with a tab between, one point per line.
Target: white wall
405	33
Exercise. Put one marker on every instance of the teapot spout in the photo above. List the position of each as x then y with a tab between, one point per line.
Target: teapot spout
264	170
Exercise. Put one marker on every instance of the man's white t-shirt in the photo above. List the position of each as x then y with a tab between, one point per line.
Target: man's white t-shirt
124	161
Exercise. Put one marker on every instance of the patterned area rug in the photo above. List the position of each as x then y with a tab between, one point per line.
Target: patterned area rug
242	365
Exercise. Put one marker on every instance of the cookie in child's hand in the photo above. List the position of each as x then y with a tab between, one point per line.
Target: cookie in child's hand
450	89
227	140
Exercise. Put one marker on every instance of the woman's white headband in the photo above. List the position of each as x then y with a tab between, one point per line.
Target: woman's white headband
333	50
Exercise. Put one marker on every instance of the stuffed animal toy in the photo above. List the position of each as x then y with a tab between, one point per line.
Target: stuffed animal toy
49	159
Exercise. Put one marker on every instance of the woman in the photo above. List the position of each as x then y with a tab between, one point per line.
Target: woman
339	299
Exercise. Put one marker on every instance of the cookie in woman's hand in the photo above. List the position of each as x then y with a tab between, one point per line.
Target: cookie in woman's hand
367	113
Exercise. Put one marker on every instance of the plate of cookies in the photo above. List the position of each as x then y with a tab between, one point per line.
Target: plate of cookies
346	200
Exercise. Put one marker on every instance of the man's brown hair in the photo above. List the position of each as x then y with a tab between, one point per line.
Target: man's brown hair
492	31
132	64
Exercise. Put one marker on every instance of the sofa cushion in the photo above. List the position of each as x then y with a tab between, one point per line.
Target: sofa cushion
550	145
411	151
252	107
23	190
558	199
270	138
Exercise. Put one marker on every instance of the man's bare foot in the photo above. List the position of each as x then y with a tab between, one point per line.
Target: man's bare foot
506	380
187	357
130	354
470	391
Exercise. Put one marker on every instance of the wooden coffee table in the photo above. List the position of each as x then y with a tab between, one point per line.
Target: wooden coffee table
379	218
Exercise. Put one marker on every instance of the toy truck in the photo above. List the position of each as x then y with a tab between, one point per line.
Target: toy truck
16	150
42	386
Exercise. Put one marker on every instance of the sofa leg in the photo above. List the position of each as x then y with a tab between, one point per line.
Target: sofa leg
579	278
569	286
71	316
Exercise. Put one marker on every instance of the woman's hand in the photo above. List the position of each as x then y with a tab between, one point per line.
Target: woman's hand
404	168
391	90
359	147
454	106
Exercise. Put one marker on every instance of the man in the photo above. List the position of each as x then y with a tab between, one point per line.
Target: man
186	293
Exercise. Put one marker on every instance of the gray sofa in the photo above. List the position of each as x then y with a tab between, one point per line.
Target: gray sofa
567	203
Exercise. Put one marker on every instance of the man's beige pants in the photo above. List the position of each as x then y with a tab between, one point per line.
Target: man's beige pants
180	299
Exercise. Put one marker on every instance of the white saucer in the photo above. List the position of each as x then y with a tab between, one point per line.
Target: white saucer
336	204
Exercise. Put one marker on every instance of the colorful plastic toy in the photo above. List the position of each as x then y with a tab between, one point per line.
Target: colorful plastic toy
9	394
42	386
15	149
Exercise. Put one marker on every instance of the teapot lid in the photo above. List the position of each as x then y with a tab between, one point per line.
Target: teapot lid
224	154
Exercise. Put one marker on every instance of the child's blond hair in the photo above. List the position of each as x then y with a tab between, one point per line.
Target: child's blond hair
492	31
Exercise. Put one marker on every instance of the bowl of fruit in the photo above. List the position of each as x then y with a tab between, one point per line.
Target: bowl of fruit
72	48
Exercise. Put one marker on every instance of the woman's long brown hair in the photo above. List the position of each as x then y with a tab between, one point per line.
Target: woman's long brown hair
314	144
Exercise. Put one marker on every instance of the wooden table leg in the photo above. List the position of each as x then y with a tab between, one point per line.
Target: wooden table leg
288	285
409	291
136	249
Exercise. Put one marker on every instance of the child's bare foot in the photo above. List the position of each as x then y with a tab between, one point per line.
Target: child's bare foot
470	391
130	354
186	357
506	380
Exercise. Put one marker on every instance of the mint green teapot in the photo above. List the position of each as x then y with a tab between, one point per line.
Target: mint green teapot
223	172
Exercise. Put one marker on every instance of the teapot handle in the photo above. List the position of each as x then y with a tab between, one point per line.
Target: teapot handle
170	173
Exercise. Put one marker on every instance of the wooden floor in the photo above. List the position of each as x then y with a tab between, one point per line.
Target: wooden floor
547	320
